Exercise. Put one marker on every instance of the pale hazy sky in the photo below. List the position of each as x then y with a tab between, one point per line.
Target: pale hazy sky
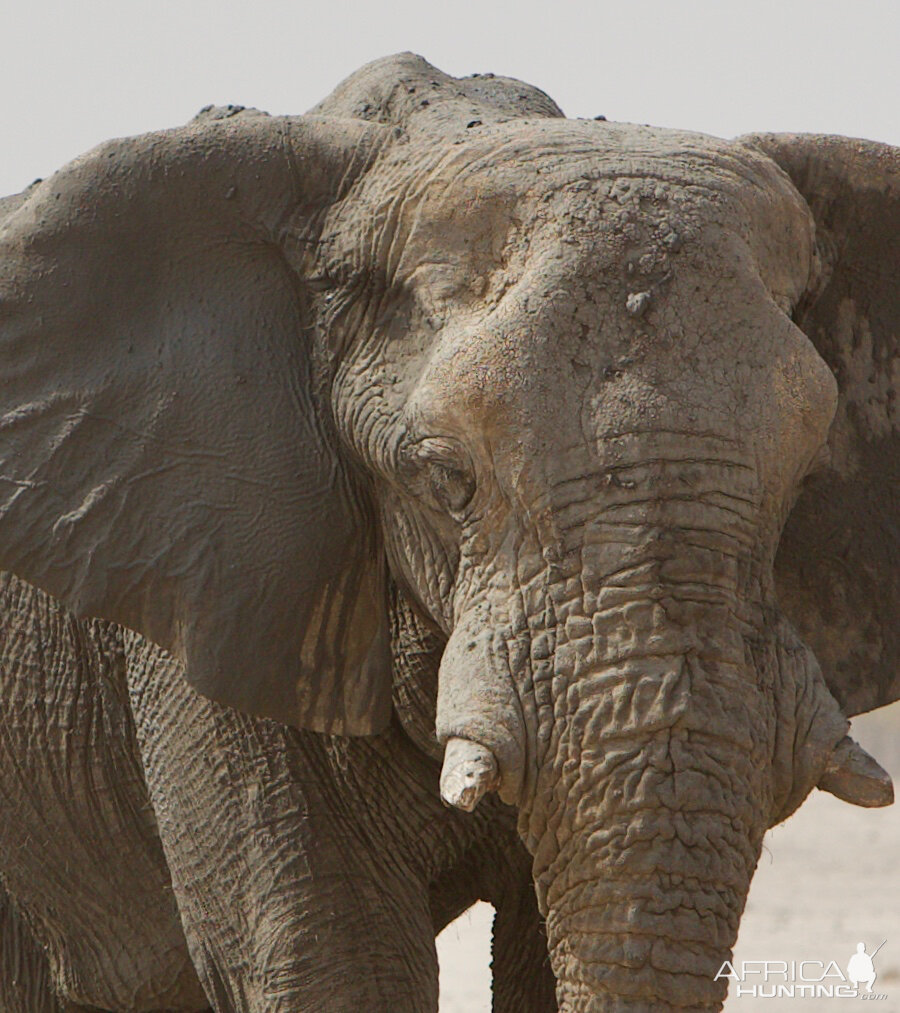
76	72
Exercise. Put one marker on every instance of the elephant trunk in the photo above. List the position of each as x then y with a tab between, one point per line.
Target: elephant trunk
647	828
636	943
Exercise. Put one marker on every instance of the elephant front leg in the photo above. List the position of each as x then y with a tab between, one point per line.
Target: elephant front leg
26	982
25	979
285	903
523	980
495	867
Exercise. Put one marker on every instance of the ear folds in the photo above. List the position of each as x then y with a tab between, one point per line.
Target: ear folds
164	460
838	566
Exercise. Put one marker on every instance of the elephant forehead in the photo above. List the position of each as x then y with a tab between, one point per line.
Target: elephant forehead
662	342
470	215
510	170
610	274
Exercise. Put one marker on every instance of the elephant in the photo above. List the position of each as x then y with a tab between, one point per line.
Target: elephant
428	498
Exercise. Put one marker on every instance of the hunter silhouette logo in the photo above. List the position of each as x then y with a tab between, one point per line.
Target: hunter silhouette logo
804	979
861	967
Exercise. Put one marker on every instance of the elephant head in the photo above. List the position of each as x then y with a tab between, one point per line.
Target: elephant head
613	407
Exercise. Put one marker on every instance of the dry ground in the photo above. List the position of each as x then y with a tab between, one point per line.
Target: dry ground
828	878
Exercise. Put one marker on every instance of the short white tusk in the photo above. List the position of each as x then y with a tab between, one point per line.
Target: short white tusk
855	777
470	770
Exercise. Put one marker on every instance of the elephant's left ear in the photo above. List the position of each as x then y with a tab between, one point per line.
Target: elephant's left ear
838	565
165	462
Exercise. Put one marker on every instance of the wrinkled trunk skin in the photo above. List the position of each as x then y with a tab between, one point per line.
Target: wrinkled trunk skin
644	874
656	687
653	831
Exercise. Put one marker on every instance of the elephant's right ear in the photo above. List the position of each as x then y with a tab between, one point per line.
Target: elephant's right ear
838	565
165	461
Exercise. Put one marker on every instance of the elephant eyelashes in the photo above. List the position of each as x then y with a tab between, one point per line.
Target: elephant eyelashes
445	470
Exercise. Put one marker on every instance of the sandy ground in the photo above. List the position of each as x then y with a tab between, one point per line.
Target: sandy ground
828	878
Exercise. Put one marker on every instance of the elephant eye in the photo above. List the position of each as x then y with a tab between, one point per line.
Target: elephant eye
451	487
445	468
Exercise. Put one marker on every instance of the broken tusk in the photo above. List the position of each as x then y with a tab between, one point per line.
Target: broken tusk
470	770
855	777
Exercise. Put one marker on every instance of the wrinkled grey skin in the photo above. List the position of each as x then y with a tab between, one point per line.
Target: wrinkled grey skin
309	873
456	430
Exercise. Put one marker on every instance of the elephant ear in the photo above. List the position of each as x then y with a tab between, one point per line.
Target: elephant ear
164	459
838	565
